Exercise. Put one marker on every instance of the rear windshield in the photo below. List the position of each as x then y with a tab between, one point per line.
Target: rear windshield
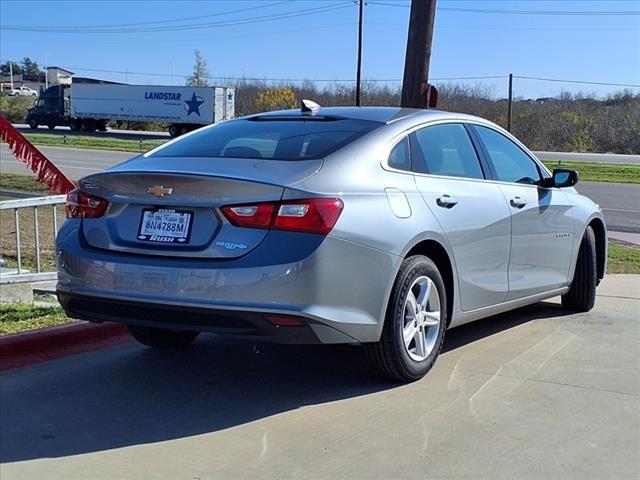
292	138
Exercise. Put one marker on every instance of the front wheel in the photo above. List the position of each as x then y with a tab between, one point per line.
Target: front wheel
33	123
161	337
581	296
415	322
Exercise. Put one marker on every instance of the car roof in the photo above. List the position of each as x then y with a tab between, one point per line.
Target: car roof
374	114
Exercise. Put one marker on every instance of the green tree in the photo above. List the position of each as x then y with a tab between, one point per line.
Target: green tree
6	70
29	67
200	72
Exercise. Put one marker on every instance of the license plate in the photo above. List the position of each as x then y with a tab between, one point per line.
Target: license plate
165	225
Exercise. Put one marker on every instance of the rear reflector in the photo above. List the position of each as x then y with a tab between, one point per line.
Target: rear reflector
309	215
80	204
284	321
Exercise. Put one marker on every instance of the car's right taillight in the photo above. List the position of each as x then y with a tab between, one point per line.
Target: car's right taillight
81	204
309	215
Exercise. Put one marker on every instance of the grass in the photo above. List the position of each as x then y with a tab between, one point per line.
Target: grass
18	317
601	172
97	143
623	258
22	183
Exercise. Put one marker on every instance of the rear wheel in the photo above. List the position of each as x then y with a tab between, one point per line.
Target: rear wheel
581	296
415	322
161	337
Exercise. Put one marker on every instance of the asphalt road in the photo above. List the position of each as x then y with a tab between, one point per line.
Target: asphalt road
536	393
620	202
588	157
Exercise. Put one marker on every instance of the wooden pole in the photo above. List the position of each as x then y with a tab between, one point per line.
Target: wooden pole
510	108
416	64
359	68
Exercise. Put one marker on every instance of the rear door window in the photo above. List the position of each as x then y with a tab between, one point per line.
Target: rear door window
399	157
272	138
445	149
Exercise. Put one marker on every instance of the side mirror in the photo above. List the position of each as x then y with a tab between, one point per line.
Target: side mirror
561	178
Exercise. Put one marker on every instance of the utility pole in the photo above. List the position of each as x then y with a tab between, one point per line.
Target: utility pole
359	68
416	64
510	107
11	73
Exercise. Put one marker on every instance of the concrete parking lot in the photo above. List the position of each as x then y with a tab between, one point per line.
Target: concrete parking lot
535	393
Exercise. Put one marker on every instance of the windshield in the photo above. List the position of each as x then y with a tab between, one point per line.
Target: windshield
273	138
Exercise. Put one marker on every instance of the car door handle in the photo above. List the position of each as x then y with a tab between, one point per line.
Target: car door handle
518	202
446	201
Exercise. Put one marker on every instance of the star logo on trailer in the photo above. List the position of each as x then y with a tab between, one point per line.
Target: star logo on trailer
193	105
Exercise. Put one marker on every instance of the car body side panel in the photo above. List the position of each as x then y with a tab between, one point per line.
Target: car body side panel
478	228
542	239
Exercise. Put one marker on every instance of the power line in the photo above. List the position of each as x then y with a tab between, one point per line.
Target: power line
194	26
523	12
576	81
183	19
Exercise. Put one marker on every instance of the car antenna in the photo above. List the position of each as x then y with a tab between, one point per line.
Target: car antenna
309	107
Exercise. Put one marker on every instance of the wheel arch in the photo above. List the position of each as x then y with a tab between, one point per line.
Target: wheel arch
600	232
438	253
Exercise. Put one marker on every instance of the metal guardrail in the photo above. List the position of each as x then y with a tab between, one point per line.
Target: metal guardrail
22	275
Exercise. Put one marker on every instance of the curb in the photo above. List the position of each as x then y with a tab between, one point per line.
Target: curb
37	346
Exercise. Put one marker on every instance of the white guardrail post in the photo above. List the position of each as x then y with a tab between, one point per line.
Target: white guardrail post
20	274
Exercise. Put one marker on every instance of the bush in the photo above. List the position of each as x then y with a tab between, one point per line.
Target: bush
15	109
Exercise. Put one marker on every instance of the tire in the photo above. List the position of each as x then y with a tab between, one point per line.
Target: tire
33	123
174	130
389	356
75	125
51	126
581	296
161	337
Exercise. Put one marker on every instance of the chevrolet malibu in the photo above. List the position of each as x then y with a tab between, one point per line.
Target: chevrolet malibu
380	227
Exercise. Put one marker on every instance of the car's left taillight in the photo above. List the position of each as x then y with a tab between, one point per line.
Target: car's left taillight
81	204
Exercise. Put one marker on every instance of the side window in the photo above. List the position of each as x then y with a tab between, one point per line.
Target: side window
509	161
399	157
445	150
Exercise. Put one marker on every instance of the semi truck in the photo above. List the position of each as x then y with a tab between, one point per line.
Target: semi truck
90	106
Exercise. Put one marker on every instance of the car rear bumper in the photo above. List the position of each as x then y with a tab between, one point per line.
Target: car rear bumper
338	289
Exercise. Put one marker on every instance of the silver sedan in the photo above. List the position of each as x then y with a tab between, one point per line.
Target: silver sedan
381	227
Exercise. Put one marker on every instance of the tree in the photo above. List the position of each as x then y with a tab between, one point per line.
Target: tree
200	72
29	67
276	99
6	70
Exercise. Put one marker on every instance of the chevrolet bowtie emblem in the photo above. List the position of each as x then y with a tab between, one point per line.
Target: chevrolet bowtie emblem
159	190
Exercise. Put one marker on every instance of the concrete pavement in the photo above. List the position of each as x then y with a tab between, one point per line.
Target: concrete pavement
536	393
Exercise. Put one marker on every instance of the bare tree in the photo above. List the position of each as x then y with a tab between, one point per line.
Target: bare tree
200	72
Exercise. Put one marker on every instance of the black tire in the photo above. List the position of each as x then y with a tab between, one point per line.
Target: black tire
161	337
33	123
174	130
389	356
581	296
75	125
51	126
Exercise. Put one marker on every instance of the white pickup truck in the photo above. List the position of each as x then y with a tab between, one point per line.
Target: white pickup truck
22	92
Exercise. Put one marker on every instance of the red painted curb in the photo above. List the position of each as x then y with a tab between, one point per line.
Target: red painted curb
28	348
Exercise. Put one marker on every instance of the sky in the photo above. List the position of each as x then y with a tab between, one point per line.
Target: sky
314	39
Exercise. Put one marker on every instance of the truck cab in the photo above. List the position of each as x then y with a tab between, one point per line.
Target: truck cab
51	108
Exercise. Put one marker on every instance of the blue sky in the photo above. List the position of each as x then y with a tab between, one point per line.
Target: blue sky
322	44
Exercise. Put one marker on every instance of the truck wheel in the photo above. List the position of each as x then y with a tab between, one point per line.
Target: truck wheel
75	125
102	125
32	123
174	130
51	126
88	125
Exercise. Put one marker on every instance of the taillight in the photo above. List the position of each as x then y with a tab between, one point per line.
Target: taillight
83	205
310	215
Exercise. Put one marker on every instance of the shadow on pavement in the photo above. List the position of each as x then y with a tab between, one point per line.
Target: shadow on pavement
132	395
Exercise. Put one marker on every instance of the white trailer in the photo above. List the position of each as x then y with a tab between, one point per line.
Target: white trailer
184	108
